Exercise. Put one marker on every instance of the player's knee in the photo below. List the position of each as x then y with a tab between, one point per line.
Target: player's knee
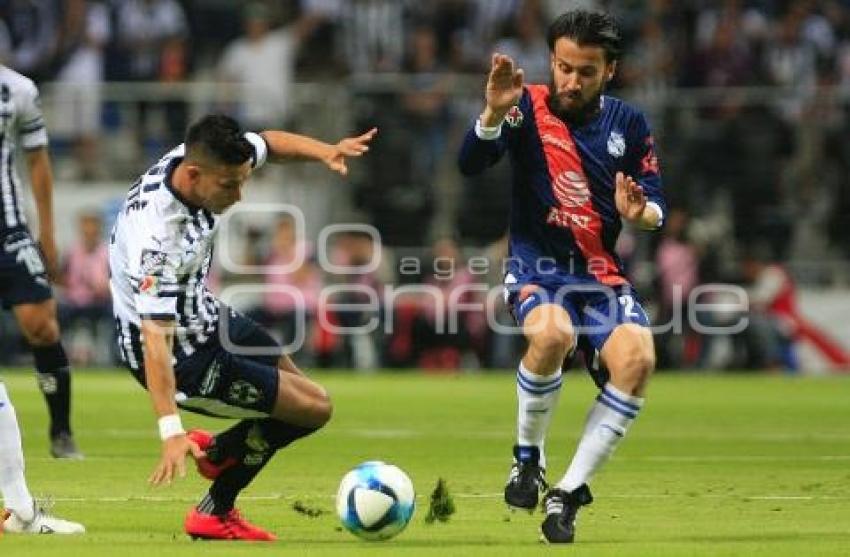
316	409
639	364
42	332
552	343
323	408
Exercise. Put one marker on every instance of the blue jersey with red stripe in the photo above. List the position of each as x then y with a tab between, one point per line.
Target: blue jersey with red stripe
564	222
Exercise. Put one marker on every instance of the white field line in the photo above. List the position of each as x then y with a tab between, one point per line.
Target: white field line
400	433
494	495
651	458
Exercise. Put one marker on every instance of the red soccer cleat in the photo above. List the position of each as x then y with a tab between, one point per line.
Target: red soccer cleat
207	469
228	527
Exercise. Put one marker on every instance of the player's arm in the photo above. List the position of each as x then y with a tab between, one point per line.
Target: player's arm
158	338
639	194
41	178
483	145
285	147
632	204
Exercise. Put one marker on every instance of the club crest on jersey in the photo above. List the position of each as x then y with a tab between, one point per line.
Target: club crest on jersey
514	117
152	262
616	144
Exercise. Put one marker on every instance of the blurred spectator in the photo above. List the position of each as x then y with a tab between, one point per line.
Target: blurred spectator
213	25
262	64
396	190
525	42
725	59
31	28
151	36
321	53
349	307
486	22
375	34
750	23
677	264
791	62
448	335
425	105
86	302
649	65
776	324
83	35
292	283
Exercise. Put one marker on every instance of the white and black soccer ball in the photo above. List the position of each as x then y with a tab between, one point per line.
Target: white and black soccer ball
375	500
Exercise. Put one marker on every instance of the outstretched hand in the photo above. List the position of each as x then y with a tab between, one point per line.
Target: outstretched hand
173	460
504	84
348	147
629	198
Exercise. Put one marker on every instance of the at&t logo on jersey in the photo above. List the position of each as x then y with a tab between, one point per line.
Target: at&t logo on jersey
514	117
571	189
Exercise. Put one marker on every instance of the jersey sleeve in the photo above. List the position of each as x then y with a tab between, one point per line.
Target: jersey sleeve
31	127
479	152
261	149
154	259
643	166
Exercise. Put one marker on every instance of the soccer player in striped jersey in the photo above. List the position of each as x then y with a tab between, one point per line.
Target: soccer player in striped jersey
20	513
582	163
185	346
27	266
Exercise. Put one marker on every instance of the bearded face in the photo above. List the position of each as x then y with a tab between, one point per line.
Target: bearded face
579	76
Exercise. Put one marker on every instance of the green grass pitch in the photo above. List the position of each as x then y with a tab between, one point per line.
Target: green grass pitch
715	465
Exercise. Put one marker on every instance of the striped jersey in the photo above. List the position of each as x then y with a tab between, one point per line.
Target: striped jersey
21	126
564	222
160	253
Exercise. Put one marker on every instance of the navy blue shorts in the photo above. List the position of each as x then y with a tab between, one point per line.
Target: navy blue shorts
594	309
221	380
23	276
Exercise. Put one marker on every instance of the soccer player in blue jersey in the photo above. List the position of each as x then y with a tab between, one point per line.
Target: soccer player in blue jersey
582	162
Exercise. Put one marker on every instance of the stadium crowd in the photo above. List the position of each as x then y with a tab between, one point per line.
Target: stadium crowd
753	154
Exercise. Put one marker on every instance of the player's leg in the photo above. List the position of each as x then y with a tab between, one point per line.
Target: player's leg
21	515
548	329
628	353
287	406
41	329
241	452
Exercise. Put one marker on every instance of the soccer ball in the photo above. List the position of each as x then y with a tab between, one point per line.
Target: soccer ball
375	500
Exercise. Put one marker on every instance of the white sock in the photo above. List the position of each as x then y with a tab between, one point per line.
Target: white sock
13	486
607	423
537	397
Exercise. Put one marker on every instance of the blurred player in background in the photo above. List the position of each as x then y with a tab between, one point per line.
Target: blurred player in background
20	513
26	267
185	346
582	162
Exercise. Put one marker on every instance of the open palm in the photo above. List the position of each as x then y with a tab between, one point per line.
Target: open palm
504	84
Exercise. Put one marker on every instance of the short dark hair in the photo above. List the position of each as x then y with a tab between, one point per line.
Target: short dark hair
219	138
588	28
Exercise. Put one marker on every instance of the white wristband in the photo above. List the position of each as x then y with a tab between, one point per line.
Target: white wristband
170	426
487	133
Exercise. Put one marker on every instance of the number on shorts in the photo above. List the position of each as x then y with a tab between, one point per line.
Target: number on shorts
29	256
628	304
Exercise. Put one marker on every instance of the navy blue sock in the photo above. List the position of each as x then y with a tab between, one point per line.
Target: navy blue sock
54	381
260	440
